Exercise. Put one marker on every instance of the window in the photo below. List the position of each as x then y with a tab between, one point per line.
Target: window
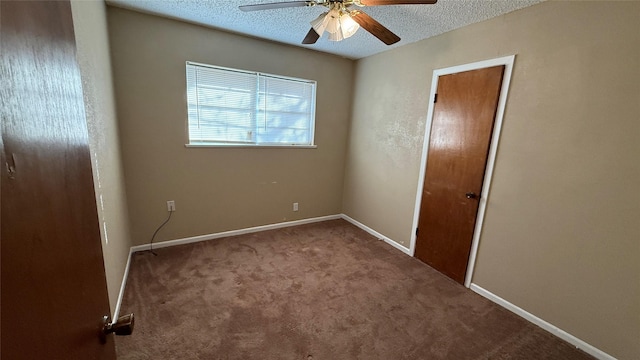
236	107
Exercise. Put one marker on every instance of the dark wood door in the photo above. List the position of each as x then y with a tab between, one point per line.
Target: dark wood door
461	132
54	290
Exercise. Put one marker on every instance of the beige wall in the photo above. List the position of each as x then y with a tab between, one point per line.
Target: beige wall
90	23
218	189
561	229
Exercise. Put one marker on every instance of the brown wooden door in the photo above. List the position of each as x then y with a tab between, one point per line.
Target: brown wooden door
461	132
53	282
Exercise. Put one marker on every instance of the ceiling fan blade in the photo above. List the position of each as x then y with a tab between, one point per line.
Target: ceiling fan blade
375	28
396	2
311	38
278	5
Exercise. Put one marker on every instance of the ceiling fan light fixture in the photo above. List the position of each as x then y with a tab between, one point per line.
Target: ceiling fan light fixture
333	21
339	24
348	26
345	27
319	24
336	36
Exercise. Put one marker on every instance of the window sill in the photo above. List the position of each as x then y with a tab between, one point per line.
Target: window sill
251	146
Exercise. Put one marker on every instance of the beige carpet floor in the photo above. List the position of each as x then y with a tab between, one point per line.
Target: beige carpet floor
314	292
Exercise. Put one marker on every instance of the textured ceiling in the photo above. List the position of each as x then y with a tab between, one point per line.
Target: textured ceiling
289	25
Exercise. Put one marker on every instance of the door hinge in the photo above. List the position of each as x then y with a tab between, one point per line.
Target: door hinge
435	98
416	232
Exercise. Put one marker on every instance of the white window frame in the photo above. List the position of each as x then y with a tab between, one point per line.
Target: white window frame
250	143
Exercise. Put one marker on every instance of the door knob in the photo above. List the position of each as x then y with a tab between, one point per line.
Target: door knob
122	326
471	195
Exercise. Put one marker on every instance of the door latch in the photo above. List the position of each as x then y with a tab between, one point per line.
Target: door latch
471	195
122	326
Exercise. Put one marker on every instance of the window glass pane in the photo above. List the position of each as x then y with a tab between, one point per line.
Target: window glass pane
228	106
284	111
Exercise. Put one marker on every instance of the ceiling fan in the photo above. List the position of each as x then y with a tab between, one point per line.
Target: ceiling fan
342	20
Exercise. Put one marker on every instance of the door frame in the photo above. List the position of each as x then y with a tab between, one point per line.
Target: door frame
508	62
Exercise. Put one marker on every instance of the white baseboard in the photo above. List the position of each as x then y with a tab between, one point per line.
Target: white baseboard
116	313
589	349
199	238
377	234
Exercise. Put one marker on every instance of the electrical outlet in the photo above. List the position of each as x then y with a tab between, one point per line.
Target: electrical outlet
171	205
295	206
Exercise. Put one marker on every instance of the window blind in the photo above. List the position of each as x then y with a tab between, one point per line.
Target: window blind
228	106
